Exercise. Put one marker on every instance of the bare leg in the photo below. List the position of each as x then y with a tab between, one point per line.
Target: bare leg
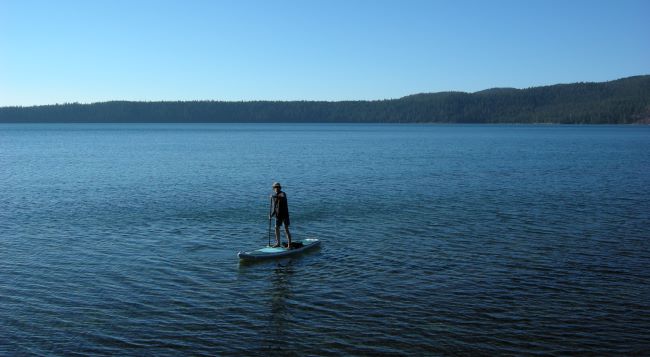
286	230
277	236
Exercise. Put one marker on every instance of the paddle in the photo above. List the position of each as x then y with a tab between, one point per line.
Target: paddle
271	198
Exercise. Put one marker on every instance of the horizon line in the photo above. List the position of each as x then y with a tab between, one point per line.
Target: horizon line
305	100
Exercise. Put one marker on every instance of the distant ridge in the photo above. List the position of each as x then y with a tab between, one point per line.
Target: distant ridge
622	101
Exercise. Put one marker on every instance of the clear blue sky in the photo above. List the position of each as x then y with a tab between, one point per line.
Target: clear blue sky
96	50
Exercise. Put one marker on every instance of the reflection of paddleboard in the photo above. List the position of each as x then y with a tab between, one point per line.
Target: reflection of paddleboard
270	252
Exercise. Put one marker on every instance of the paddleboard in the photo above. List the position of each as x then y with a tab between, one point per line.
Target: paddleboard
279	252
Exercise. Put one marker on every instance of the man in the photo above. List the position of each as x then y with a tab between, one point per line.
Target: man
280	209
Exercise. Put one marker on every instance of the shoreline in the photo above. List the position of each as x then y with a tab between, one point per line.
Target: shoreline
646	123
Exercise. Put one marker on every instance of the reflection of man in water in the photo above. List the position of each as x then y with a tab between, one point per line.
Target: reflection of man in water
280	317
281	213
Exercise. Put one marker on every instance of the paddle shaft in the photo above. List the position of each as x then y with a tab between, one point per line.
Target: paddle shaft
271	198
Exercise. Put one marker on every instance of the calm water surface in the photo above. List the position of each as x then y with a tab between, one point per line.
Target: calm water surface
438	240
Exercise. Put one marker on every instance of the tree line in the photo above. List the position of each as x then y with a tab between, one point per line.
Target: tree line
622	101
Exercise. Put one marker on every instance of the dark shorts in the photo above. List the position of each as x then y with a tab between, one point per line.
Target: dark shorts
279	221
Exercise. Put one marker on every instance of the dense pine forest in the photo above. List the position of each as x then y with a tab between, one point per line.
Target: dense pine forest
622	101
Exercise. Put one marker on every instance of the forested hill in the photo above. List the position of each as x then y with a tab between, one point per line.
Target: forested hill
621	101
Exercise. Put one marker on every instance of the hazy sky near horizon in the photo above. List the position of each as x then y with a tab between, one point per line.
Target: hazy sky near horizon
89	51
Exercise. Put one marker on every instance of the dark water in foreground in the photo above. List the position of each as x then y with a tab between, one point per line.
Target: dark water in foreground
443	240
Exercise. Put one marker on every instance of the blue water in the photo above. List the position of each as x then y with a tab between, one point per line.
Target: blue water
437	240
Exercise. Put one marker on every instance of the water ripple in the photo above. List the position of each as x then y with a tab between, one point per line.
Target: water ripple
436	241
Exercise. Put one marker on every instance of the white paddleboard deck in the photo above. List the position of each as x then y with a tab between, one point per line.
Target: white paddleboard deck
279	252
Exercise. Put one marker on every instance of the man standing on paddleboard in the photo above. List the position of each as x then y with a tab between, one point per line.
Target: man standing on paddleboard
280	209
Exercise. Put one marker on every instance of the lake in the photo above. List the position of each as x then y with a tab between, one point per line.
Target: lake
121	239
